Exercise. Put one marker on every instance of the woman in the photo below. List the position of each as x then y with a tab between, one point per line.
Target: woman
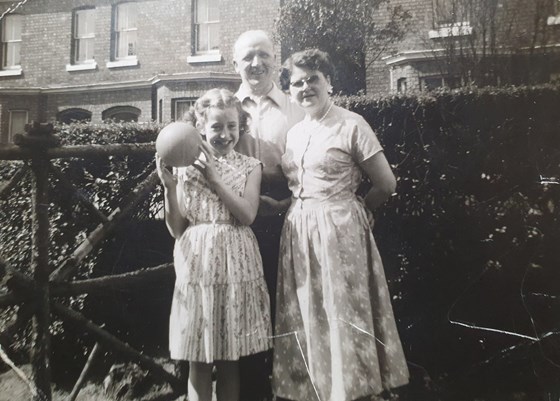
336	337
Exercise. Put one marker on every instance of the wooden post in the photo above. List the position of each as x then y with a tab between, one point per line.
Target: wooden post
40	351
38	137
81	380
109	340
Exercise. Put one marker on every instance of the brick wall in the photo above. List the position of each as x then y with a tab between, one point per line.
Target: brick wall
164	43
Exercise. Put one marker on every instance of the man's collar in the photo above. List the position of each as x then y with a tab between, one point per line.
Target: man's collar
275	94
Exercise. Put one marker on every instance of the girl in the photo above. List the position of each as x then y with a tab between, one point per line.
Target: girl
220	308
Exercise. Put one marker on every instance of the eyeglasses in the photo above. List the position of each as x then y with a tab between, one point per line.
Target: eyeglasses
309	81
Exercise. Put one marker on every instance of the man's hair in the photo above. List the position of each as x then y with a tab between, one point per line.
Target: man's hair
218	98
312	59
256	33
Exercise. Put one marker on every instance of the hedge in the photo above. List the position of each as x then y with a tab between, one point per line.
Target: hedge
471	238
469	242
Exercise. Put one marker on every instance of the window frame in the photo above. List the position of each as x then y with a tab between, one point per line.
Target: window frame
11	122
175	102
7	42
554	18
116	32
82	114
76	38
207	22
111	112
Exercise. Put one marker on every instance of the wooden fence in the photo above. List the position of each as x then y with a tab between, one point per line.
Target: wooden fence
36	294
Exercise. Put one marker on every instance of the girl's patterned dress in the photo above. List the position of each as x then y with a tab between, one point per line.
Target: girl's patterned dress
220	308
336	338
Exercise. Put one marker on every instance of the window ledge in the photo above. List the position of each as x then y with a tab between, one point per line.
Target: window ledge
123	63
553	20
81	67
11	73
205	58
451	30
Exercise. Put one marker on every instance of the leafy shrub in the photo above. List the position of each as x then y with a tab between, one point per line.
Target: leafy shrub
471	237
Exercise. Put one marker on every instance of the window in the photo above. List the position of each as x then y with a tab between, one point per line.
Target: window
206	26
401	85
18	119
448	81
554	17
11	42
451	19
121	113
180	107
125	31
84	36
445	12
75	114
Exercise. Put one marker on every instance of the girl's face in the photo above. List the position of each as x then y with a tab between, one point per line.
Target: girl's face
309	88
221	129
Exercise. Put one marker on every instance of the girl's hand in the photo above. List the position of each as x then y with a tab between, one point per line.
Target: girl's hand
167	178
207	166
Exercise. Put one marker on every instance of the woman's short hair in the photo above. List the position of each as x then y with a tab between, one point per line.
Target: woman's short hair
312	59
219	98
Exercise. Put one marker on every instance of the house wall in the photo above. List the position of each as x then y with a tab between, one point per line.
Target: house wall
164	70
516	29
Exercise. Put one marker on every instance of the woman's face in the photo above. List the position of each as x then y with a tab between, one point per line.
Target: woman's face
310	89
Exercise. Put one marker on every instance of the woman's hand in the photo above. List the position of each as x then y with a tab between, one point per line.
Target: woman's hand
207	166
270	207
167	178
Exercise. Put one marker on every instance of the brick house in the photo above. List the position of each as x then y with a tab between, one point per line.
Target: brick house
454	42
135	60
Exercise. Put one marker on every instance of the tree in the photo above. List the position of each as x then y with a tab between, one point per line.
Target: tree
347	29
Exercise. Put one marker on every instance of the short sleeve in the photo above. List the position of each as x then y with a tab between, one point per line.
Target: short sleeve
364	142
252	163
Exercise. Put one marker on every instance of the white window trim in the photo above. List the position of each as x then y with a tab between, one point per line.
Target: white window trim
11	72
92	65
116	33
198	23
176	101
10	133
77	38
205	58
553	20
20	40
128	62
451	30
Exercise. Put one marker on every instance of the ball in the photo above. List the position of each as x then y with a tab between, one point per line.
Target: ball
178	144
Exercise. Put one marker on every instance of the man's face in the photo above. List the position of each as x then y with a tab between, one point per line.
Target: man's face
254	61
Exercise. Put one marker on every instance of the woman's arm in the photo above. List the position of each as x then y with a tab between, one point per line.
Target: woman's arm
245	207
175	222
383	181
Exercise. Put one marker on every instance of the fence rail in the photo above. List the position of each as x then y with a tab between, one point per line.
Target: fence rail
34	294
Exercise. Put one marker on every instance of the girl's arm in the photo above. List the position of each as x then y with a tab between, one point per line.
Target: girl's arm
382	179
245	207
176	223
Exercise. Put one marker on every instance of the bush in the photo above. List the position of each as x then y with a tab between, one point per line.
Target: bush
107	182
471	237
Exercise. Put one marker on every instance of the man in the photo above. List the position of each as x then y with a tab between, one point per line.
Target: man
272	114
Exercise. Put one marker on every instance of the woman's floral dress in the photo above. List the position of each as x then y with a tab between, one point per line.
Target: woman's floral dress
220	308
335	337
